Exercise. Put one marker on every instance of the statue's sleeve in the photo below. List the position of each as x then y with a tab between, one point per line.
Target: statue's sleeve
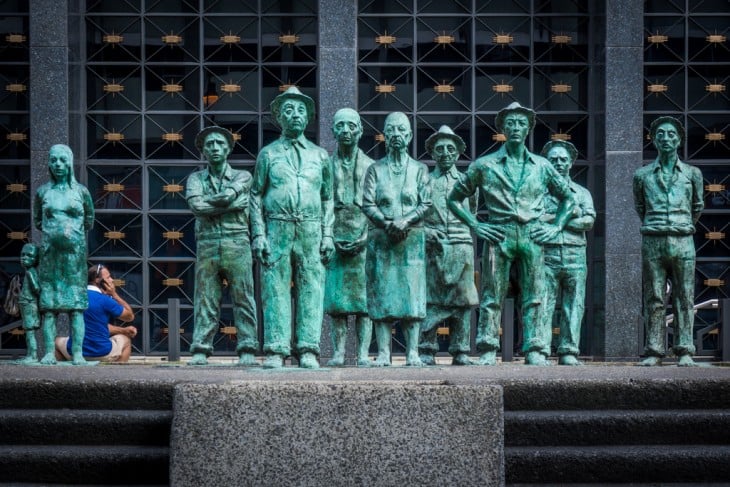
328	206
424	196
639	203
38	210
698	198
467	185
258	188
195	196
369	206
242	186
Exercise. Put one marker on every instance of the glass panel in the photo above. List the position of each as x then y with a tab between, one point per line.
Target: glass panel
702	30
561	6
114	136
236	88
167	186
159	331
444	39
173	87
242	31
444	89
708	88
17	78
497	87
15	187
385	39
704	271
172	236
14	233
289	39
561	88
502	39
172	39
14	52
385	6
670	49
712	238
113	88
172	136
439	7
664	88
561	39
172	6
113	6
113	39
717	175
17	145
171	279
709	6
575	126
115	187
230	6
395	85
503	6
663	6
707	137
243	127
373	125
116	235
302	7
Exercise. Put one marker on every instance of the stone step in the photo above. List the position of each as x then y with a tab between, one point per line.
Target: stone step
562	465
617	427
85	427
76	464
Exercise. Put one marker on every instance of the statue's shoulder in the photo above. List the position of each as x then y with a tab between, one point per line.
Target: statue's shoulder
643	171
272	148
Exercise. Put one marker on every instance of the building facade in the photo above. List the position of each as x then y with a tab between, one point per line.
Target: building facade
128	83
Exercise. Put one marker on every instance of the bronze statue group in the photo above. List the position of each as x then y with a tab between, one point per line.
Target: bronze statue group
389	242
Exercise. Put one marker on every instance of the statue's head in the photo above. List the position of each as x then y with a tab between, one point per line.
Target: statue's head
445	147
561	154
397	131
513	117
347	127
61	164
292	110
216	144
29	255
666	133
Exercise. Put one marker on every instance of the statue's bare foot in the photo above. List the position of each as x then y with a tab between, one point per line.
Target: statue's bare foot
382	360
686	361
28	360
49	359
198	359
308	360
461	359
569	360
536	358
247	359
337	360
364	361
488	358
427	359
650	361
412	360
78	359
274	361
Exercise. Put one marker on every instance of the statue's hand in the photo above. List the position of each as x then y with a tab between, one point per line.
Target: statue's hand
544	233
397	230
260	248
488	232
326	249
224	198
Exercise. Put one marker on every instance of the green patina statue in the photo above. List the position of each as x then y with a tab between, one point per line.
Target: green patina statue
512	183
291	220
668	195
565	256
63	211
28	301
451	293
396	196
219	198
345	290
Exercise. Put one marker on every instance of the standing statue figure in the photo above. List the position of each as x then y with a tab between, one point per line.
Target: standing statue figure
63	211
345	290
218	196
396	196
668	195
512	183
451	293
28	301
565	256
291	220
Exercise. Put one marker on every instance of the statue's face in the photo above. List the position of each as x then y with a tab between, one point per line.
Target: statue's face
445	152
666	138
347	128
560	159
397	132
28	256
515	127
216	148
59	163
293	116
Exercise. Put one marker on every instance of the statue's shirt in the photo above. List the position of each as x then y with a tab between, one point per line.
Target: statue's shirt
583	200
668	206
440	217
513	196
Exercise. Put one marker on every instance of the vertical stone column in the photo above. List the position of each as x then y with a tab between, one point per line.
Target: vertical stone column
337	89
48	85
624	132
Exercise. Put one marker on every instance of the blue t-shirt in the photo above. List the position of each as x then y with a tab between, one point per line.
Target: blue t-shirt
102	310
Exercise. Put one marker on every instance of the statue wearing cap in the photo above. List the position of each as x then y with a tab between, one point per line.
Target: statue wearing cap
291	222
218	196
565	256
451	293
668	195
512	182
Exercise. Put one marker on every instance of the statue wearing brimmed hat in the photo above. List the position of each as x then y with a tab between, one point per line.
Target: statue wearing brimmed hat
451	293
291	221
218	197
565	256
512	182
668	195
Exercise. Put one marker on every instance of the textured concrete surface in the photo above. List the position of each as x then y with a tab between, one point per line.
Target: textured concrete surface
322	433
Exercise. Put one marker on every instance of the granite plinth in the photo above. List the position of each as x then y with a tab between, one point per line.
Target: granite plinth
324	433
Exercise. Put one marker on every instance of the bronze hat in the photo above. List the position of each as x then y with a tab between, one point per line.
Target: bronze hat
445	131
292	92
572	151
667	119
200	138
514	107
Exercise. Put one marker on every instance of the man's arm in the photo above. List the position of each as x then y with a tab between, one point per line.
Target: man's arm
698	197
259	243
586	214
638	189
327	246
195	196
465	188
130	331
